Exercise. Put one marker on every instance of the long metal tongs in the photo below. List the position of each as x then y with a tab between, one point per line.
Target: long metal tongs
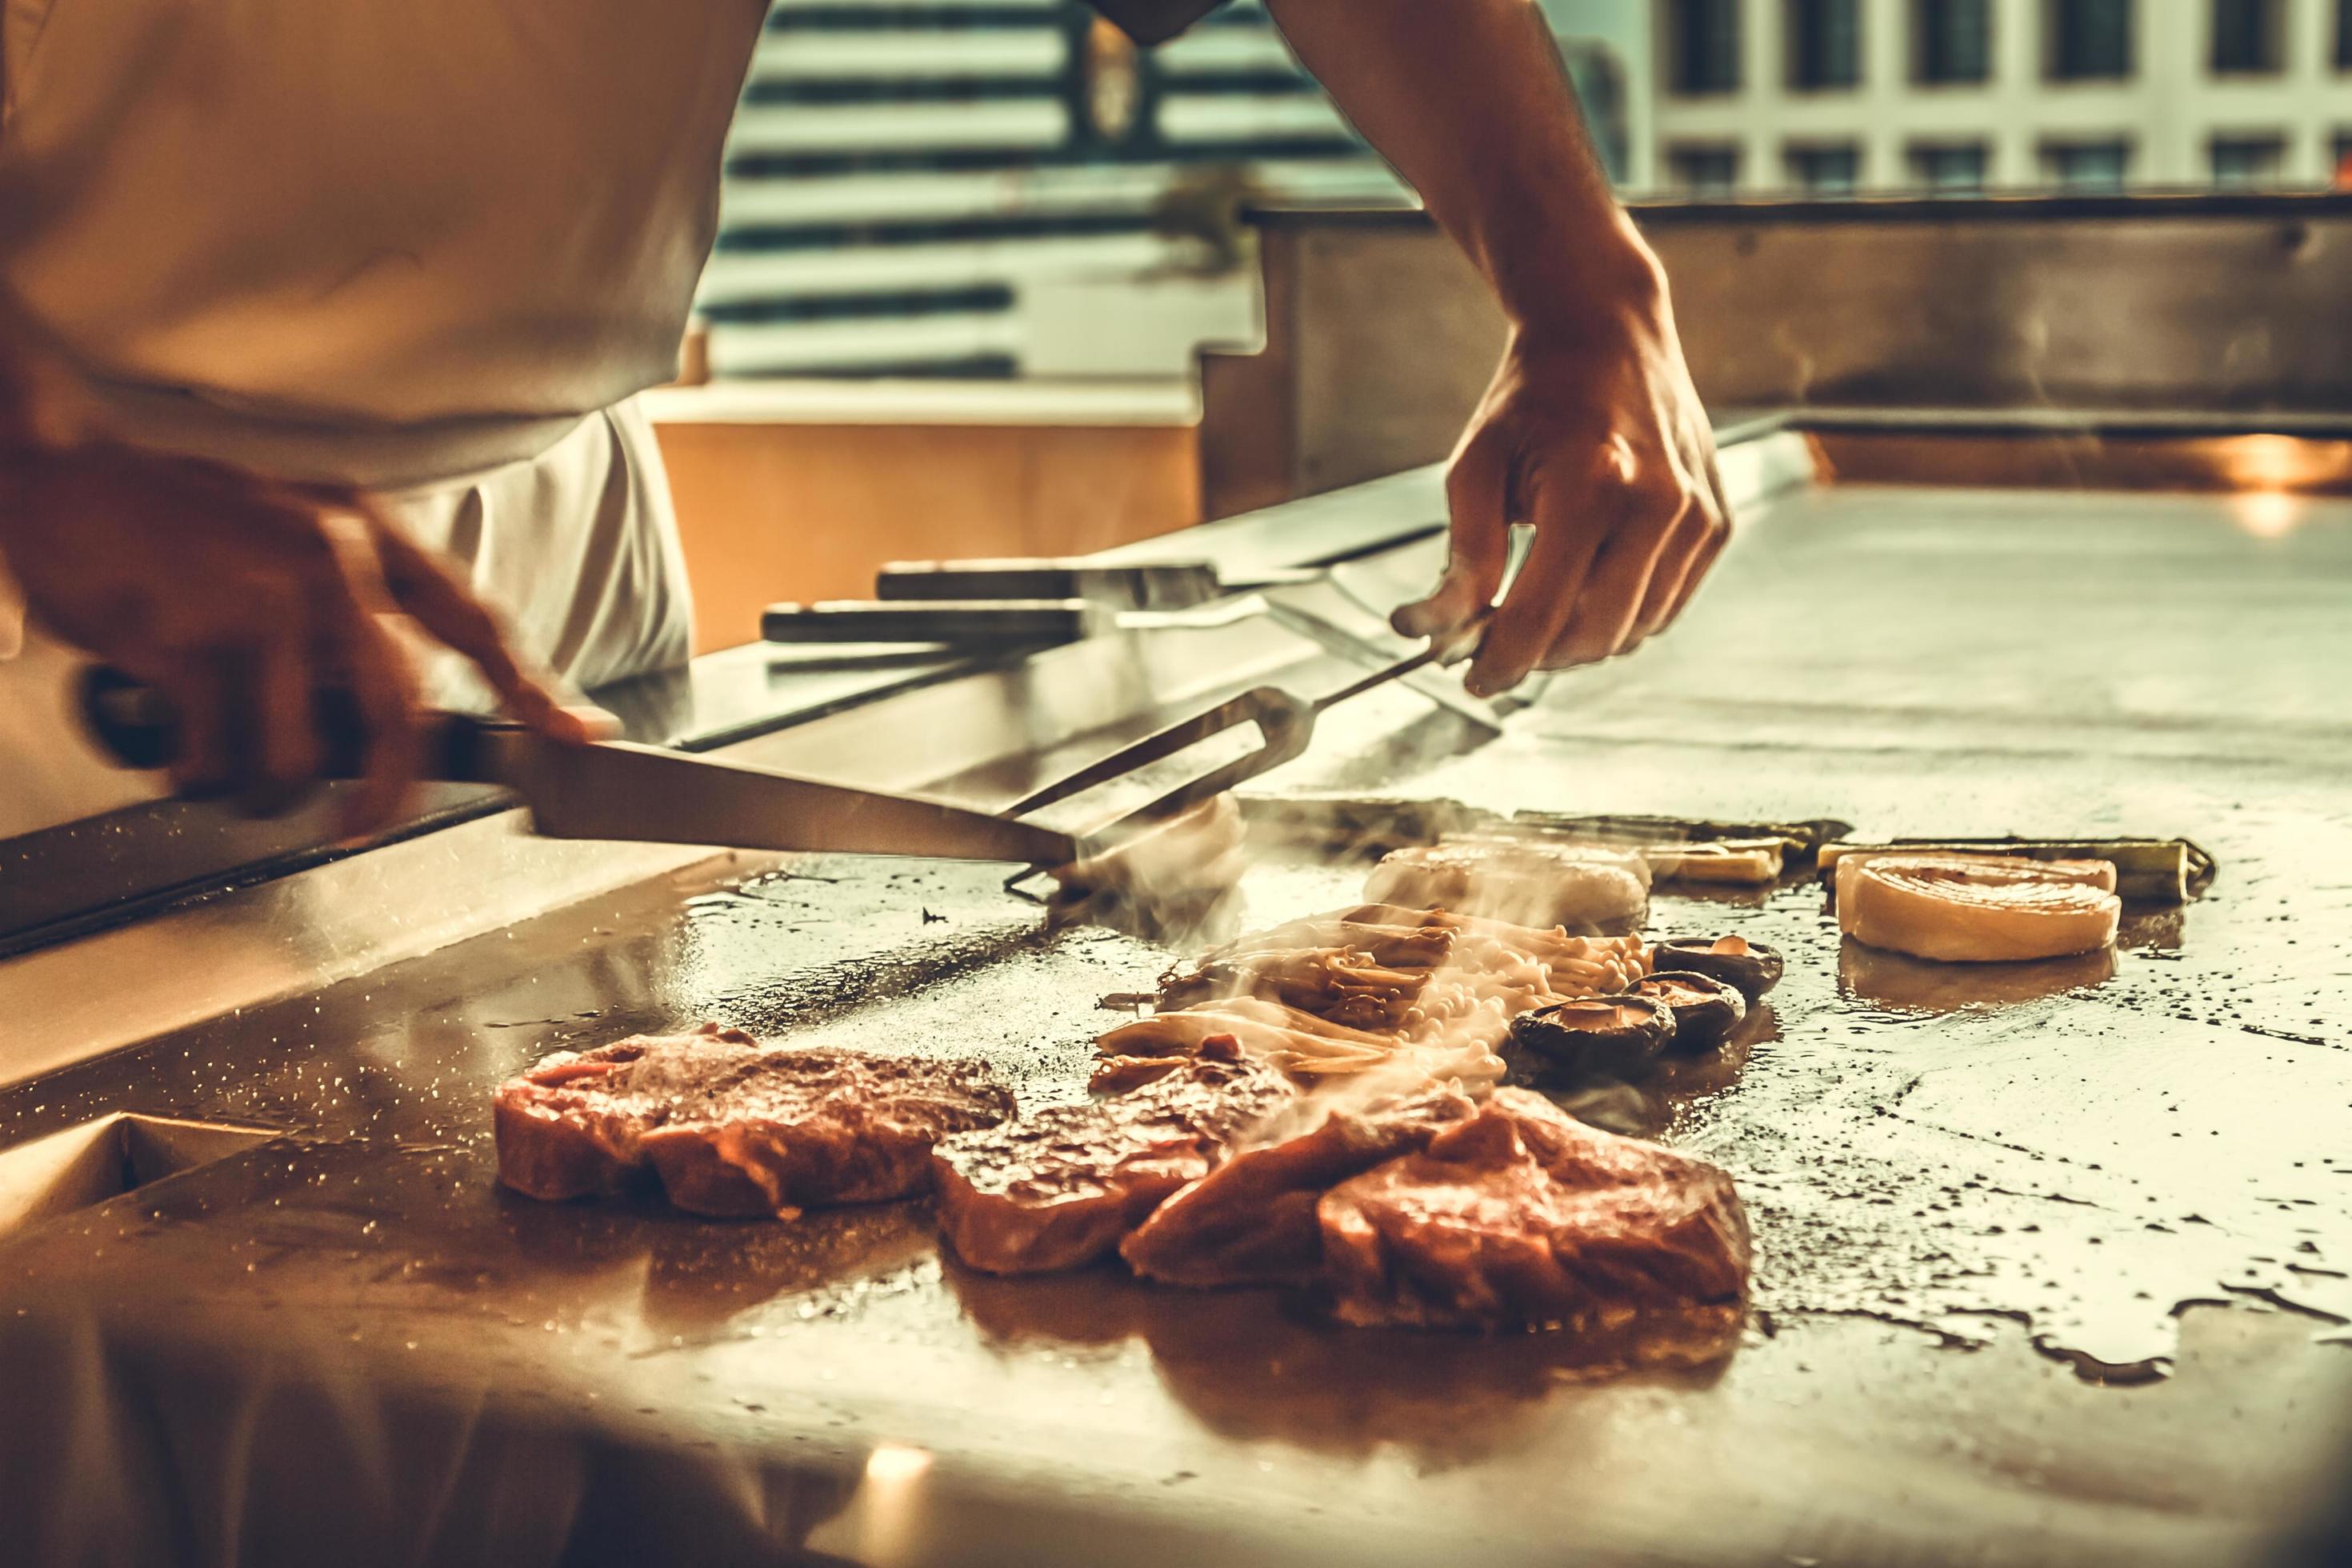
1285	725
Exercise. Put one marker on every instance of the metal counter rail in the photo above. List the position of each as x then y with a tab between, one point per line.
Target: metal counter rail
1992	1212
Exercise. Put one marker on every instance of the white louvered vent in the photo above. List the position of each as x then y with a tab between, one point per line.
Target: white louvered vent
914	185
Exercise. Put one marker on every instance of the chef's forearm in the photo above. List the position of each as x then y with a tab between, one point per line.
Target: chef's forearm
1468	100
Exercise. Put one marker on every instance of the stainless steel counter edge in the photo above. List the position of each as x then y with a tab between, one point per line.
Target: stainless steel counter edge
84	998
87	996
1759	455
244	947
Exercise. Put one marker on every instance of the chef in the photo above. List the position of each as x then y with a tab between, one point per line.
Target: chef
321	327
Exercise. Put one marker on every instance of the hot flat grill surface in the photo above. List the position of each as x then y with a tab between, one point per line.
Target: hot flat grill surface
1943	1181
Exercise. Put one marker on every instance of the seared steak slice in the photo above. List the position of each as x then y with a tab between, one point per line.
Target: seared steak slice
1523	1216
1059	1188
568	1127
1252	1220
733	1127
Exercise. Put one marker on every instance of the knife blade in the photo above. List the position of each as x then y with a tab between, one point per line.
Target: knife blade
612	789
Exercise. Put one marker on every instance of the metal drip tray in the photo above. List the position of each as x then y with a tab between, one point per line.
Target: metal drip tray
99	1160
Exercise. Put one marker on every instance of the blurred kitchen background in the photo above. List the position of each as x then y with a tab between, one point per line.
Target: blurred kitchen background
974	252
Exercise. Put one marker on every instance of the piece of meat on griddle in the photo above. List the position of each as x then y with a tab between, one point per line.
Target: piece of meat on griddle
1059	1188
734	1127
1523	1216
1253	1221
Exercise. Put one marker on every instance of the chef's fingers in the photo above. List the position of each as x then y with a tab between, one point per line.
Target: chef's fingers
1701	561
1572	520
220	483
596	723
1678	556
384	683
1653	503
1577	527
202	764
1477	498
1717	537
285	734
432	595
383	686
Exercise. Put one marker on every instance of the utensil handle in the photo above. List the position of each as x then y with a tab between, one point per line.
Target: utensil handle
1168	585
1446	648
961	623
139	727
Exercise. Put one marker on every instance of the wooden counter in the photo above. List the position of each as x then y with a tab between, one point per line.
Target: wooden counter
800	490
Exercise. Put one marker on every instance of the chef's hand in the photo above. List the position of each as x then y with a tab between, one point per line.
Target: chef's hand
1591	432
236	596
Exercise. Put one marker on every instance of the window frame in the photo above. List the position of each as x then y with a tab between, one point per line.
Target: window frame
2271	42
1676	153
2276	141
1798	148
2054	148
2056	35
1793	17
1921	32
1917	150
1675	53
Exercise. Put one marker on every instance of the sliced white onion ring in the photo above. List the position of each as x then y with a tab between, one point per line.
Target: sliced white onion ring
1979	909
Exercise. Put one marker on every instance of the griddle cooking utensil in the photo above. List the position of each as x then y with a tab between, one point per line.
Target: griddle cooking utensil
1285	725
612	790
988	624
983	626
1168	585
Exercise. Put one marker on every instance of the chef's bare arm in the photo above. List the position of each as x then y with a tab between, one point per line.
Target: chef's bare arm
237	595
1590	429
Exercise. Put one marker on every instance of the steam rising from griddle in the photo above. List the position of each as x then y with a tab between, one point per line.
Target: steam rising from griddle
1173	881
1413	992
1471	923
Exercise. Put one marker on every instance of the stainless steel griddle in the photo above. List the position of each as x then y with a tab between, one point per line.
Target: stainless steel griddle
2051	1269
348	1332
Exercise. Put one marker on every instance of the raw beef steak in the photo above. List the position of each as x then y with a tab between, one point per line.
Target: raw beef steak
734	1127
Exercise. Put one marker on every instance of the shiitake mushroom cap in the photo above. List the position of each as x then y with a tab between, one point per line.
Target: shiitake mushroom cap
1611	1036
1706	1009
1752	973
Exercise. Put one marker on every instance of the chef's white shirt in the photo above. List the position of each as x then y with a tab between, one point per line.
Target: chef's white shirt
428	246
